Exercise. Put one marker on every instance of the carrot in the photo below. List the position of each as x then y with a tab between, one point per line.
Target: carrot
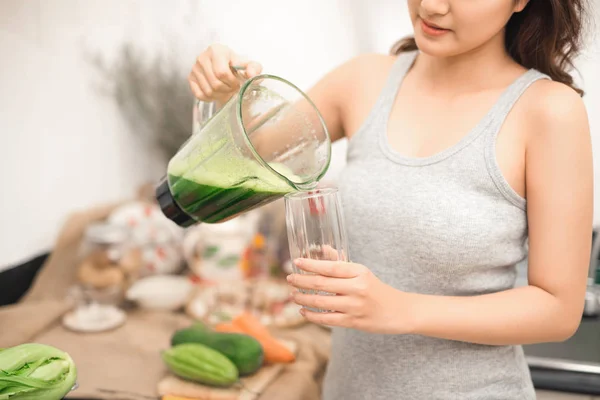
172	397
249	323
275	351
228	327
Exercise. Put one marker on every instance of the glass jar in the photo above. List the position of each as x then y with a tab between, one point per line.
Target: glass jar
108	264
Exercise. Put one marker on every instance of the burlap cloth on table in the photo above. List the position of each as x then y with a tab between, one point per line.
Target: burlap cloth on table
125	363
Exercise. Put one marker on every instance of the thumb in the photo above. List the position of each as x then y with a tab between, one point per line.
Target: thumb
252	68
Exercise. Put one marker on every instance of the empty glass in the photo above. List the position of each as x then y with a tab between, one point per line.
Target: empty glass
316	229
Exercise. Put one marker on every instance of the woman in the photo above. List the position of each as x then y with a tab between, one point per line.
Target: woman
468	148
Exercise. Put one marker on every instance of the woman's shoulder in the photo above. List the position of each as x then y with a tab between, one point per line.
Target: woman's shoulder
550	104
370	61
365	73
355	75
349	87
360	79
365	67
555	122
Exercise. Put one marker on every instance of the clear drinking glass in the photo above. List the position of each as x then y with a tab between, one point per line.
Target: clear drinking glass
316	229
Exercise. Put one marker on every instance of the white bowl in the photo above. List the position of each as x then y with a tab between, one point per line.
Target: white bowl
161	292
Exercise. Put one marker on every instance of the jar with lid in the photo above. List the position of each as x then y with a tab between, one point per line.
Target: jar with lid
109	262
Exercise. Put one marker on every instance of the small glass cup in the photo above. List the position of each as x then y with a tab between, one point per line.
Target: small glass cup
316	229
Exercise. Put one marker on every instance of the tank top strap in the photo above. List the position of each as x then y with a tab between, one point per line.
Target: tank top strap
497	116
509	98
377	117
397	73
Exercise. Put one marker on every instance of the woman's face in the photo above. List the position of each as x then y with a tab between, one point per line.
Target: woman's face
445	28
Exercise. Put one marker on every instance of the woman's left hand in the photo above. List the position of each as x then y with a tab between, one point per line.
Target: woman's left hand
361	302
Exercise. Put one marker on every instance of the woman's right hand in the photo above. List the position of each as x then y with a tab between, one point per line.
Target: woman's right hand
212	78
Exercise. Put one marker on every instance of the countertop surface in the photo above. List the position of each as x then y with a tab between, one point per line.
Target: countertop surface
583	347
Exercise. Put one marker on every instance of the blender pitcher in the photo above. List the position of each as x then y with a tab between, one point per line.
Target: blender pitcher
268	140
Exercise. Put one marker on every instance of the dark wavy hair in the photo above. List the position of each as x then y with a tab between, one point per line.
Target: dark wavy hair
547	35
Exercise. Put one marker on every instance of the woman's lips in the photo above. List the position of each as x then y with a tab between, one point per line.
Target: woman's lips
432	30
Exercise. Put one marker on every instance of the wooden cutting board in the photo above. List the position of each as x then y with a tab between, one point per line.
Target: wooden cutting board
249	389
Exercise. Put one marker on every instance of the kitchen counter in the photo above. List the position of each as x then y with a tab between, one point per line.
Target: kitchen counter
125	363
559	366
570	366
547	395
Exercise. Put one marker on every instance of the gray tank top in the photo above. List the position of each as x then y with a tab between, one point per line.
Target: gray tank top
448	224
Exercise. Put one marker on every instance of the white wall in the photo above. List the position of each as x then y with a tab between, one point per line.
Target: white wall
67	147
588	78
64	146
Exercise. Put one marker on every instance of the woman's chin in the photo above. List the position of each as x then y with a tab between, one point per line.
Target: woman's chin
436	47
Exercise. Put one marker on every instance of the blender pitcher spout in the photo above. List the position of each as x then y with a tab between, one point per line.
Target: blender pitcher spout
305	187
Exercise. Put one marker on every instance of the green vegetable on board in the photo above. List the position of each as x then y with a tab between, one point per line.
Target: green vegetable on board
200	363
244	351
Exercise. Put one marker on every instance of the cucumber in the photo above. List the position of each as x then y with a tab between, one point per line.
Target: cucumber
244	351
202	364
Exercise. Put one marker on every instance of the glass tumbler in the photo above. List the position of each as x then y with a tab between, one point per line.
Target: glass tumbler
316	229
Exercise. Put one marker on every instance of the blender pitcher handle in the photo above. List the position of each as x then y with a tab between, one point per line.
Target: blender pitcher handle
203	111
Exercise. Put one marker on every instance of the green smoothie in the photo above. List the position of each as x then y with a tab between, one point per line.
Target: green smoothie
219	190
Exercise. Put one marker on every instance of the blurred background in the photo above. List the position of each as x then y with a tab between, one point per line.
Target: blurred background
66	141
67	145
